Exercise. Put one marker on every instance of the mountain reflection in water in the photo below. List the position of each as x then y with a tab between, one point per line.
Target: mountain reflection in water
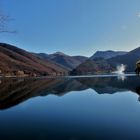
17	90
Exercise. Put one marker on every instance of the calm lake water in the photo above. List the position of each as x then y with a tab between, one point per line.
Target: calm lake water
87	108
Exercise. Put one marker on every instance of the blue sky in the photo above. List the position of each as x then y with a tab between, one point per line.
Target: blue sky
75	27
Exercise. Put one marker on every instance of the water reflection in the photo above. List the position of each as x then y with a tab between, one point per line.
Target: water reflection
14	91
75	115
121	77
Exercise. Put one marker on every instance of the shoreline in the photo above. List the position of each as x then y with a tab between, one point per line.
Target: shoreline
74	76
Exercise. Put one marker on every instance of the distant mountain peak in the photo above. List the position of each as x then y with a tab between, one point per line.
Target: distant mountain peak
43	53
67	61
137	50
104	51
60	53
107	54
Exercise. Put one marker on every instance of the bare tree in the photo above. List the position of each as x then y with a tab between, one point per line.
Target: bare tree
4	19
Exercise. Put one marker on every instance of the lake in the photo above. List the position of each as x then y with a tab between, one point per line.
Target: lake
77	108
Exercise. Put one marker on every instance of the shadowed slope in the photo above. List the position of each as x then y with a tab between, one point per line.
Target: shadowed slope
14	59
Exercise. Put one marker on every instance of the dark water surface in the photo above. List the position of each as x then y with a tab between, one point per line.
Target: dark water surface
92	108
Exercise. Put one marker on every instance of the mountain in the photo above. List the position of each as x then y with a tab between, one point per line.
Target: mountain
69	62
18	61
128	59
107	54
102	63
97	66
